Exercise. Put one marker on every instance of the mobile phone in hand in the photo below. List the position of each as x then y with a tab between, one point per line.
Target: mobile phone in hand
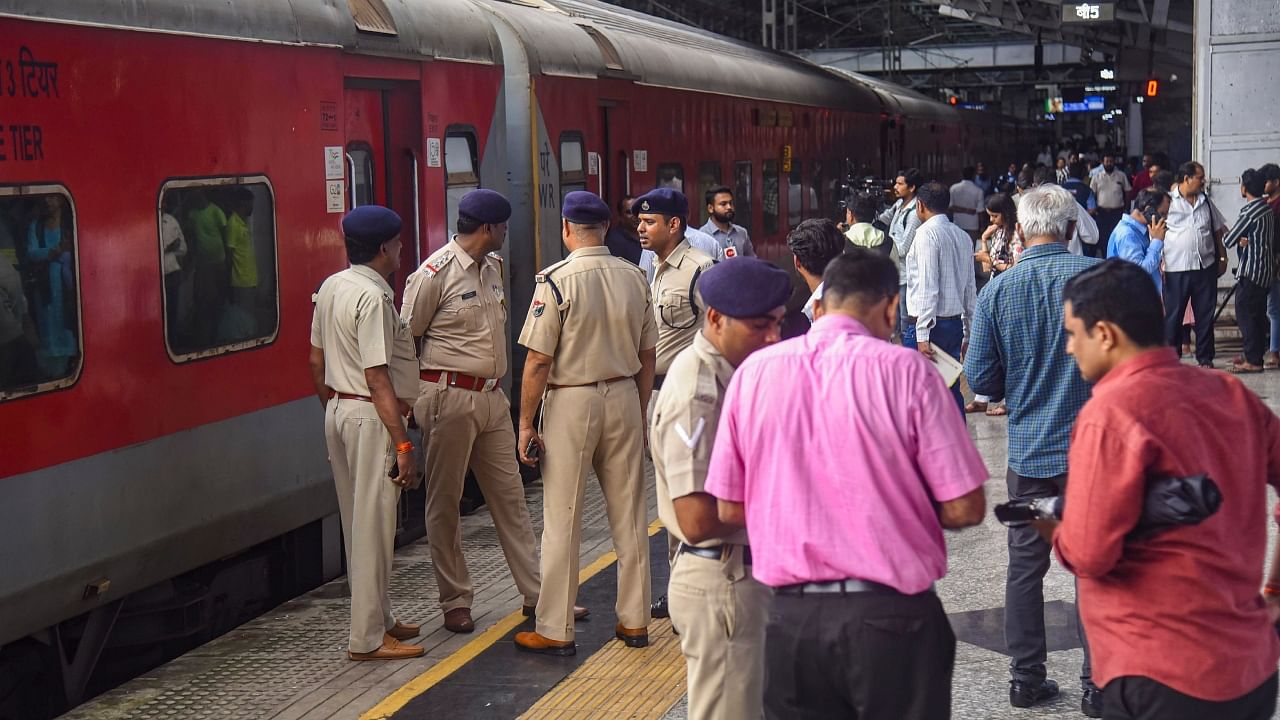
532	450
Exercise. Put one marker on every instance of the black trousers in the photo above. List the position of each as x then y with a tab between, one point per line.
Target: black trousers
870	656
1140	698
1029	558
1251	316
1201	288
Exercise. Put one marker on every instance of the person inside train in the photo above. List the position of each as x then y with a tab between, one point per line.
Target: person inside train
17	355
238	320
50	265
208	223
173	248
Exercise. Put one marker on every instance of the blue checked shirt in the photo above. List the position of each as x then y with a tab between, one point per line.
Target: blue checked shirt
1018	351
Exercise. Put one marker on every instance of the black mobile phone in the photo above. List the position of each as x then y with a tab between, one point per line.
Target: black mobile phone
395	470
532	450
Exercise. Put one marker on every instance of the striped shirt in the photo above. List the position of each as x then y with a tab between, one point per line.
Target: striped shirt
1017	351
1256	226
940	268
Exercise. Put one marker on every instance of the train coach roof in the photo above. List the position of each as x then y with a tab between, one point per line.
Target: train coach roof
443	29
903	101
588	38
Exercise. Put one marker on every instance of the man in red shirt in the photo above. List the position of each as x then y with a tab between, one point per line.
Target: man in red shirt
1175	621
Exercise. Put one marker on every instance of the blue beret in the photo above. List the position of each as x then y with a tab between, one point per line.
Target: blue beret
745	287
662	201
584	208
371	223
485	206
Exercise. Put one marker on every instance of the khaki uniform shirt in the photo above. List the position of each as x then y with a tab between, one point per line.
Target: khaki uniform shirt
458	308
685	418
591	313
677	302
356	325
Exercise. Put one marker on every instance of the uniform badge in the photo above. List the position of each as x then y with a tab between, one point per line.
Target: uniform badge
644	206
497	292
538	307
731	251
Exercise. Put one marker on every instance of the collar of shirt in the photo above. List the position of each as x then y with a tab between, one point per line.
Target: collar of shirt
1139	363
677	255
371	274
931	222
464	258
1134	226
588	251
718	363
1039	251
1176	196
714	230
836	323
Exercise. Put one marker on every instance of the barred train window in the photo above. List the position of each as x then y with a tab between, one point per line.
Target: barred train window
770	192
218	261
671	175
41	344
742	194
795	195
708	177
461	167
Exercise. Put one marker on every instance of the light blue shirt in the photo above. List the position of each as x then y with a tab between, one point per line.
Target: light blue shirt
736	237
1132	241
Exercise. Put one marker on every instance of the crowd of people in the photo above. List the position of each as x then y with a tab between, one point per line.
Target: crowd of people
802	573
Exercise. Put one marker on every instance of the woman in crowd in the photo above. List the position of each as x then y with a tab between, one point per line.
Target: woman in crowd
999	249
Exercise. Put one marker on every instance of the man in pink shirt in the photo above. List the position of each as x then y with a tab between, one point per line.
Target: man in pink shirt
844	458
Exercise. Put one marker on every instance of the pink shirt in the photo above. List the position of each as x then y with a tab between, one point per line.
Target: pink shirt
837	443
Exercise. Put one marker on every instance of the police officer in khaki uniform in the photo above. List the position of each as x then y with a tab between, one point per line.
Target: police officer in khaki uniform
591	336
363	366
719	608
456	309
663	215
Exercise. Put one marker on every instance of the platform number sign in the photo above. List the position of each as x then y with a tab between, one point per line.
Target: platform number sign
1088	12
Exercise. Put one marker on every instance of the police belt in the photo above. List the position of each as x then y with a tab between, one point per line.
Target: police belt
911	319
605	381
719	552
851	586
459	380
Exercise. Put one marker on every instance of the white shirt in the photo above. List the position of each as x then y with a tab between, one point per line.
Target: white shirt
1086	231
813	299
943	283
1110	188
1188	240
172	244
966	194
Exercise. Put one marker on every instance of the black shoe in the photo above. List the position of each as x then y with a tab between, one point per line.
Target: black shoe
1025	693
659	608
1091	702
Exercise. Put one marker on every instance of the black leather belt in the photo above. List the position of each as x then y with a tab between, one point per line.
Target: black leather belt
719	552
839	587
911	319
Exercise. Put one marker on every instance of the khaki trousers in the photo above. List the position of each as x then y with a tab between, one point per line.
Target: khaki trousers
361	455
461	429
593	427
721	612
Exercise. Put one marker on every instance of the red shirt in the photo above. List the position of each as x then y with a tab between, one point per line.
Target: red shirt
1182	608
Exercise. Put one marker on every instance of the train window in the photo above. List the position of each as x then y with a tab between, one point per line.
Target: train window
573	171
41	344
360	168
817	206
795	194
218	260
742	193
770	195
708	177
461	169
671	175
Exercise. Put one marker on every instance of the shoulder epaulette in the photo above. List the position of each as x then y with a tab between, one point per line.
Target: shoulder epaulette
436	263
545	277
495	256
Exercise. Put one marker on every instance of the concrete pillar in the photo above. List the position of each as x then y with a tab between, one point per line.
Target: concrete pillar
1133	119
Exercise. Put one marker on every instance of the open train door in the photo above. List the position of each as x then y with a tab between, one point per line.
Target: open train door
615	155
383	118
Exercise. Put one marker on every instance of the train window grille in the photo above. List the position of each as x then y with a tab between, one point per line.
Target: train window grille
573	171
461	164
360	168
218	265
41	336
708	177
770	196
795	194
742	194
671	175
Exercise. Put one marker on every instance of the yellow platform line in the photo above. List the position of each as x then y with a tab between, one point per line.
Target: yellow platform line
620	682
451	664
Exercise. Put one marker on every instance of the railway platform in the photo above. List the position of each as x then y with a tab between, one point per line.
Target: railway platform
291	665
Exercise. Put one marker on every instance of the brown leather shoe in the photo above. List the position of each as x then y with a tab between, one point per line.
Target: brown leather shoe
459	620
633	637
579	612
535	643
405	631
392	649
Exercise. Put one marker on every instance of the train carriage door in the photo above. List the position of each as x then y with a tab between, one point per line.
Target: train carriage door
615	155
383	120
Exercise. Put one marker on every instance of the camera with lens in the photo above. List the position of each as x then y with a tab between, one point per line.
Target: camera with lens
1017	513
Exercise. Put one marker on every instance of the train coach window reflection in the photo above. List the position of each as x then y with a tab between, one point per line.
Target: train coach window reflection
40	338
361	169
461	170
708	177
671	175
795	195
742	194
770	192
573	173
218	259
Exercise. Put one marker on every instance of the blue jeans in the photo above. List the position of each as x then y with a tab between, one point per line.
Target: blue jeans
947	335
1273	311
